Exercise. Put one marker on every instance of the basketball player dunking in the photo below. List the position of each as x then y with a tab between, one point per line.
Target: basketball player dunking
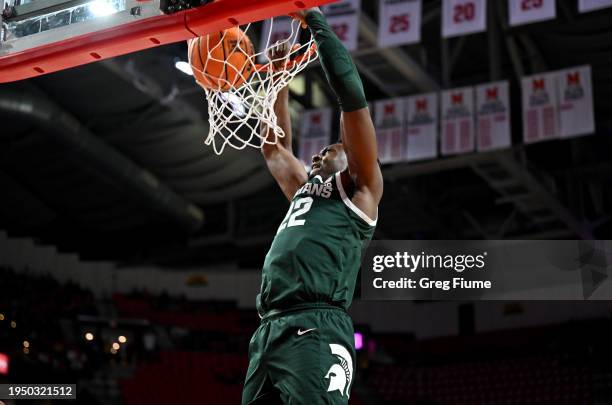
303	352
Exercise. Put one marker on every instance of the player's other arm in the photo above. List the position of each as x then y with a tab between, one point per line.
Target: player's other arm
286	169
357	129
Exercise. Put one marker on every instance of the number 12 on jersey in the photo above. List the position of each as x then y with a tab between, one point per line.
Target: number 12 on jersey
298	208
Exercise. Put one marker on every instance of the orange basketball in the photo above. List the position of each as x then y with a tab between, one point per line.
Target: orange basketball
220	60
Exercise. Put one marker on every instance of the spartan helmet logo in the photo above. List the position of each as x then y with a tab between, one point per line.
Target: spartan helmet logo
340	375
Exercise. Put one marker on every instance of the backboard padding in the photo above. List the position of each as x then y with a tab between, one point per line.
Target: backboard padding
140	34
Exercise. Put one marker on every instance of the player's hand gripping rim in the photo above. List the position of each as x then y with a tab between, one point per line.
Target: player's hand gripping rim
301	15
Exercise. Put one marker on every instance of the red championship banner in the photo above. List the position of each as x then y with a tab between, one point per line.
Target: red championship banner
389	122
590	5
576	115
422	127
315	133
457	121
399	22
493	116
460	17
343	18
275	29
528	11
540	108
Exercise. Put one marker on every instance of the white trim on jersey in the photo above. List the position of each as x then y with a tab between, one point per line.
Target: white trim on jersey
350	204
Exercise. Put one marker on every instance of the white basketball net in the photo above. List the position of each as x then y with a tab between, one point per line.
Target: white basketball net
236	115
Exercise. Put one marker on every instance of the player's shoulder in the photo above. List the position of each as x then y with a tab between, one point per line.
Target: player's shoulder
349	195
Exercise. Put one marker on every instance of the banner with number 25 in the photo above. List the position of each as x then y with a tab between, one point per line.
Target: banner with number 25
528	11
399	22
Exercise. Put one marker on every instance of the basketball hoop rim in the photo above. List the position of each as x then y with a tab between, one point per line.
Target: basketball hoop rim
142	33
271	69
267	67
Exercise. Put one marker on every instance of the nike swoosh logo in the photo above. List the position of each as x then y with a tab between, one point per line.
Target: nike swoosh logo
303	332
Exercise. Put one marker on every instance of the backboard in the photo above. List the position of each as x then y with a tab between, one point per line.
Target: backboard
52	35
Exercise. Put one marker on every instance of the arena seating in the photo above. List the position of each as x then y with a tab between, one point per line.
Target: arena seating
554	364
517	381
199	316
42	310
187	378
190	378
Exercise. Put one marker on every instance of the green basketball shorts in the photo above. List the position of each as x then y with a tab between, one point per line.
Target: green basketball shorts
304	356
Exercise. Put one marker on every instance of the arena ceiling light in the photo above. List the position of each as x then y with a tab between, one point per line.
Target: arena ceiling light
101	8
184	67
235	102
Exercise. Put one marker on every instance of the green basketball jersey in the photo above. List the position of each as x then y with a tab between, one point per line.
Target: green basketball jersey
316	254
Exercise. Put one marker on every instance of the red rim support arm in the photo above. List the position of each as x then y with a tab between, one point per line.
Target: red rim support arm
143	34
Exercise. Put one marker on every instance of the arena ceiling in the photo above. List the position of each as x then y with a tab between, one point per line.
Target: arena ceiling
107	160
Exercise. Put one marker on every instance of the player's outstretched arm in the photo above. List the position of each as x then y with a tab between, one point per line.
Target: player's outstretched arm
286	169
357	129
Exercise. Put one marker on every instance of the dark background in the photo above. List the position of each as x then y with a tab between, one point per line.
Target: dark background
77	204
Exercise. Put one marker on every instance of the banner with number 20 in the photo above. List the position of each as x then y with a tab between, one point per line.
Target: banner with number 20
461	17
